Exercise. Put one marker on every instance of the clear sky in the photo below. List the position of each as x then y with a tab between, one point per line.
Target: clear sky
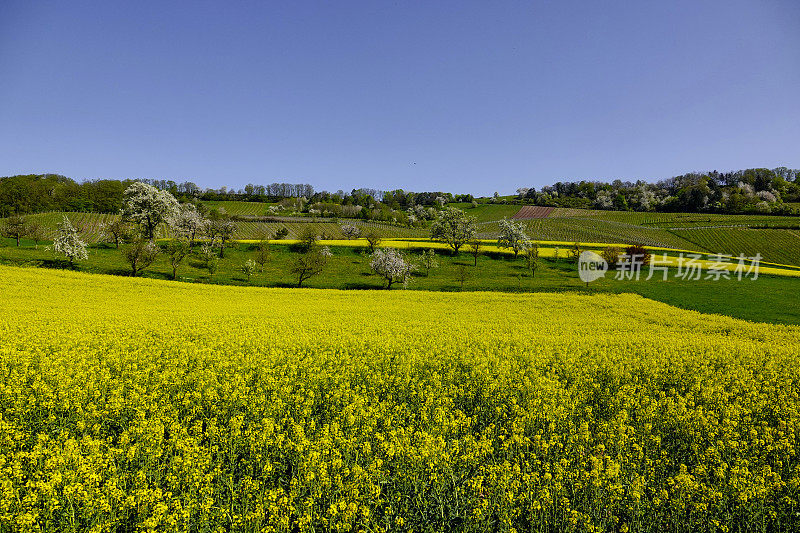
458	96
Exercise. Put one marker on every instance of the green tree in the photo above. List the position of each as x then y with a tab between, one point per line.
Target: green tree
475	247
15	227
453	227
140	254
176	251
309	264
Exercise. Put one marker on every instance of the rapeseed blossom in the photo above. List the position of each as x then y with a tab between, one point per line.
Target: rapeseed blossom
140	405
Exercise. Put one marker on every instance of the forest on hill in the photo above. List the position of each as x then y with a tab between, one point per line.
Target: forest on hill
756	190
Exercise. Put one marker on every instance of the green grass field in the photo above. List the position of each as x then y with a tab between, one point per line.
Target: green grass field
488	212
711	233
768	299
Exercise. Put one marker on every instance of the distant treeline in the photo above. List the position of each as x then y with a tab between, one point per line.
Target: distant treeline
35	193
755	190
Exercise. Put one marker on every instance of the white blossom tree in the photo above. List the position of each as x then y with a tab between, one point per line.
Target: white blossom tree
428	259
248	268
69	243
453	227
392	266
186	223
147	206
350	231
512	235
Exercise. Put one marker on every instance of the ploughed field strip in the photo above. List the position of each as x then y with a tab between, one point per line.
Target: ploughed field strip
533	211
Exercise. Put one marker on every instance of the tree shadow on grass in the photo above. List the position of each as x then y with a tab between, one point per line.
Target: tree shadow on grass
62	264
361	286
562	266
119	272
497	255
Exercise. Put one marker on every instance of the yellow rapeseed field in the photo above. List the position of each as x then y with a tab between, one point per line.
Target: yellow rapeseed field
141	405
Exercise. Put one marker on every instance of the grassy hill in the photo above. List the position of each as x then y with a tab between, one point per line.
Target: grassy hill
776	238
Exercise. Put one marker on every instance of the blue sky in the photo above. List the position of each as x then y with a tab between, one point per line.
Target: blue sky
457	96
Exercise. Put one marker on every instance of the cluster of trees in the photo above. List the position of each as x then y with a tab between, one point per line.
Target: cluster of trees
35	193
52	192
755	190
146	208
451	226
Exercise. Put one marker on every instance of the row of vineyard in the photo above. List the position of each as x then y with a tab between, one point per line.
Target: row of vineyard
593	230
774	245
676	220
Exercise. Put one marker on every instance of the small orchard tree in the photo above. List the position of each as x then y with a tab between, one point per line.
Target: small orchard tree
69	243
308	265
350	231
373	240
208	251
140	254
574	252
248	268
15	227
428	260
308	238
531	255
453	227
281	233
638	255
392	266
212	265
611	255
475	246
263	254
117	231
462	275
220	230
512	235
147	206
556	254
36	234
176	251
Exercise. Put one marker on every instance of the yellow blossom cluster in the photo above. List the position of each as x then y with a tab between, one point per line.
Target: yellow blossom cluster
141	405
